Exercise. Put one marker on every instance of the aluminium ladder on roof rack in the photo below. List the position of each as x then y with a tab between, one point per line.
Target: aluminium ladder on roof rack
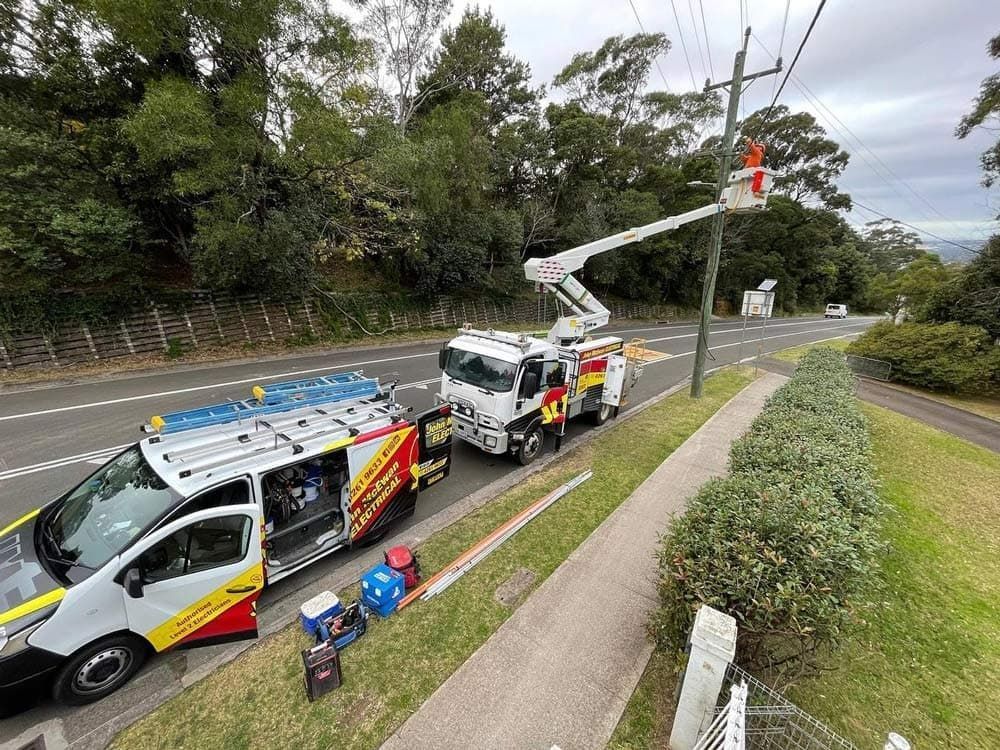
266	438
271	399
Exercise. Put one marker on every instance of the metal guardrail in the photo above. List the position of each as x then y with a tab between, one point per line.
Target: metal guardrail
867	367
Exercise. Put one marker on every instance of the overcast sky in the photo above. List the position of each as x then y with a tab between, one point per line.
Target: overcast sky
899	74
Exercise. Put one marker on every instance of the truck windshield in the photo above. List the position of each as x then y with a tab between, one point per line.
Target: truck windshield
480	371
103	515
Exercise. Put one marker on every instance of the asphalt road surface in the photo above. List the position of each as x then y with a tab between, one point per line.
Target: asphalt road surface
52	437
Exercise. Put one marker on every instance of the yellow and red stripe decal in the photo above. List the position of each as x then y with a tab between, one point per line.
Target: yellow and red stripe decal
200	613
382	477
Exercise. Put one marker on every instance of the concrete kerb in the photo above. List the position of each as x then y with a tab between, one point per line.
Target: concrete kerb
285	610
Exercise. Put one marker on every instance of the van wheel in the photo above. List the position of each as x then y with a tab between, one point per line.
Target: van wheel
531	448
602	415
99	669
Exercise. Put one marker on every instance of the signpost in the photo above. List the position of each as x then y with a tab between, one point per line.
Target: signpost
757	303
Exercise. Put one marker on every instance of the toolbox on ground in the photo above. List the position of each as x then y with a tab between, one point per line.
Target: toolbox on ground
322	606
345	627
322	665
382	588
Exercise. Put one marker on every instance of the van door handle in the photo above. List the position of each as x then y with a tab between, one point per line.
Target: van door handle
241	589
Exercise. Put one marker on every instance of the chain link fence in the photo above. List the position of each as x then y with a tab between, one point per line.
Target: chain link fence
772	722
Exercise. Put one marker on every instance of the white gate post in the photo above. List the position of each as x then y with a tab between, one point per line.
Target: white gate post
713	646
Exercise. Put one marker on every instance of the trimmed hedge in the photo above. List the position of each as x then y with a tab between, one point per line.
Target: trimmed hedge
940	356
787	542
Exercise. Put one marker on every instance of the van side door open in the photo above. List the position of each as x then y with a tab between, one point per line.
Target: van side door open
195	581
435	430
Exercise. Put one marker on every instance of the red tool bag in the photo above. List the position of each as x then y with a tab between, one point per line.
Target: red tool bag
403	560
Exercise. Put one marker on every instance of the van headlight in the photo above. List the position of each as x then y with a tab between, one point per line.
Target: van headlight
489	422
11	644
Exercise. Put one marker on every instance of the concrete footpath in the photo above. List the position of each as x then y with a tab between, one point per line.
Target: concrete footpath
561	670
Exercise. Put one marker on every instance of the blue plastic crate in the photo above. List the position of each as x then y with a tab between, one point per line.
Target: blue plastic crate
382	588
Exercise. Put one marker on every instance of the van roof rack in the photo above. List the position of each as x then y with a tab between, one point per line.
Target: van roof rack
269	400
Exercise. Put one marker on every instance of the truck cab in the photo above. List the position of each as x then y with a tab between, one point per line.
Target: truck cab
503	388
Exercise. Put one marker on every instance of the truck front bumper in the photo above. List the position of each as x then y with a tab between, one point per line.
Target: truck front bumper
486	440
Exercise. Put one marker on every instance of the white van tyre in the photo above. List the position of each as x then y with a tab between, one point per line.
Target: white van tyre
99	669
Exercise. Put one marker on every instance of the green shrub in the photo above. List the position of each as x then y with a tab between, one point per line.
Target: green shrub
786	544
940	356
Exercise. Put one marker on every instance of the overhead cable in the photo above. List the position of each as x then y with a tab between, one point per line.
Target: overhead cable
680	33
791	67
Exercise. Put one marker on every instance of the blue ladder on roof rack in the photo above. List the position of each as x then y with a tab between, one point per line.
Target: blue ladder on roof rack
271	399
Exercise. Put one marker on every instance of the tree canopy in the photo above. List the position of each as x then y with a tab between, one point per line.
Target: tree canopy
268	145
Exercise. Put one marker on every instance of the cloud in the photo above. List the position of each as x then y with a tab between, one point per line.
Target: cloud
898	73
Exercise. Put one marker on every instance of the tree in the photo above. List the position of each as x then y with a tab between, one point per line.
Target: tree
986	109
972	297
473	58
808	163
611	79
405	33
889	246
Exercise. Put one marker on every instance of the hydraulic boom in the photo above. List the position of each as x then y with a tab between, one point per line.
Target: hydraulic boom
747	191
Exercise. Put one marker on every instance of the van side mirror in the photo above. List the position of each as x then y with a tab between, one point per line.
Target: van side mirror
133	583
443	357
529	386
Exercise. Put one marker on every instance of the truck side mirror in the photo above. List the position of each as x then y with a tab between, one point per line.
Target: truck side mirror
133	583
529	386
443	357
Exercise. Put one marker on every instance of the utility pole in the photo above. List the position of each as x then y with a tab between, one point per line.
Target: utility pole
718	223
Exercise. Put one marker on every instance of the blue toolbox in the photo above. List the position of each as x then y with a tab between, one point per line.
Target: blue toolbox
345	627
382	588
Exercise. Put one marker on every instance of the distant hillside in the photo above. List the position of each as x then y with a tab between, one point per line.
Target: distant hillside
949	252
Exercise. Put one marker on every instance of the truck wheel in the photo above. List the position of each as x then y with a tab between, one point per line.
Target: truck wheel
99	669
602	415
531	448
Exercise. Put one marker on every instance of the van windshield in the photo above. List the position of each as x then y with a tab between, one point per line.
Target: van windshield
480	370
103	515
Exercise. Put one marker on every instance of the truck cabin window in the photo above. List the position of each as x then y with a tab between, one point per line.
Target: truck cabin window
107	512
480	371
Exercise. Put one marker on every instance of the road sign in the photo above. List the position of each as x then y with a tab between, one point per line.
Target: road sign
757	304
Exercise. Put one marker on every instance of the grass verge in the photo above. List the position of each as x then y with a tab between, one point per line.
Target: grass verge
258	700
927	662
795	353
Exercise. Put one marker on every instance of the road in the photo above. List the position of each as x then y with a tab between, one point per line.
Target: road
52	437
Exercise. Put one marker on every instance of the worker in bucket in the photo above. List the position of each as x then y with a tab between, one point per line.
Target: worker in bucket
754	155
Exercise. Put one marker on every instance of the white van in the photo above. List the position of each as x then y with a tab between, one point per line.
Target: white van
169	544
835	311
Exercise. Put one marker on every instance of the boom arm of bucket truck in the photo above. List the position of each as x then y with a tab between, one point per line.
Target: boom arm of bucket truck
748	190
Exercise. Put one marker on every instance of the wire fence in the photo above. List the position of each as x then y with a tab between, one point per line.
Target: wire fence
867	367
772	722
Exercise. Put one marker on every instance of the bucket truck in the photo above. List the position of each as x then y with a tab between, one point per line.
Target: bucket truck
506	389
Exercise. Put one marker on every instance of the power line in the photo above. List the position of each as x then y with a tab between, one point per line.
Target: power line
643	30
831	118
697	39
781	42
708	47
788	73
915	228
680	32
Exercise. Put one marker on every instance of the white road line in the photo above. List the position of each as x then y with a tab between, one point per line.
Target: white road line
256	379
107	453
102	455
749	328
